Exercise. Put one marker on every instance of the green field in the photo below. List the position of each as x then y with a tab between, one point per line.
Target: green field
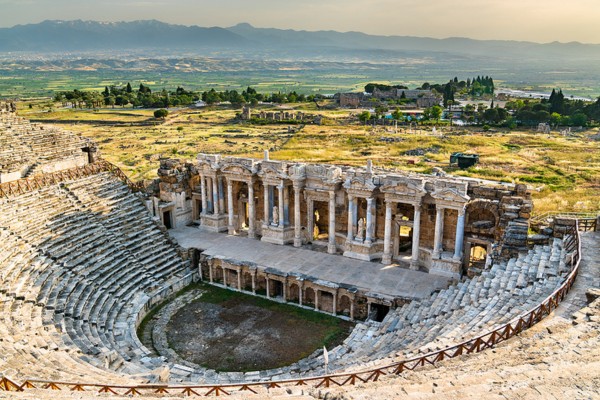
564	171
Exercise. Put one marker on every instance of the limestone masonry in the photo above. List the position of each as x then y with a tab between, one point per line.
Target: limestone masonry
444	225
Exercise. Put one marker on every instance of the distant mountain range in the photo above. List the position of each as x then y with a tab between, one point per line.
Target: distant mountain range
73	36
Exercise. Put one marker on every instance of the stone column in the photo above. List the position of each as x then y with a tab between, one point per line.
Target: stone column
369	224
253	275
387	237
210	272
239	272
460	234
230	228
221	194
297	222
266	203
210	208
281	205
331	248
215	193
251	210
300	290
352	309
317	299
286	206
268	294
224	277
439	232
310	219
334	303
416	236
350	235
203	194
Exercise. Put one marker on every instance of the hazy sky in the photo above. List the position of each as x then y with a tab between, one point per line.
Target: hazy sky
534	20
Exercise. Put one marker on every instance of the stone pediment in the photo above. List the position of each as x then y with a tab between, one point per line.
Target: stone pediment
328	174
211	160
297	172
450	195
239	166
273	170
360	182
403	186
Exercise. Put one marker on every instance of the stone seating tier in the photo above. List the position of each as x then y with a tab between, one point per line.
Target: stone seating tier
81	259
30	146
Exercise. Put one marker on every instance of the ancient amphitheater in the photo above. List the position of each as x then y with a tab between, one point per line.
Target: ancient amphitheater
431	268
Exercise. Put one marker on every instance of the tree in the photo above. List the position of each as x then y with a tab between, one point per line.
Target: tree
397	114
161	113
364	116
435	112
579	119
128	89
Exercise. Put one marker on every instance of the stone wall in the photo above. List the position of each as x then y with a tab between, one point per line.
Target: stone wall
477	213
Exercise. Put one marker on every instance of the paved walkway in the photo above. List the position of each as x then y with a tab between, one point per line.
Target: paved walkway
366	276
588	276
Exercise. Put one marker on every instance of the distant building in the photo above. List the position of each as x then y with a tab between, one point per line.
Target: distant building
351	99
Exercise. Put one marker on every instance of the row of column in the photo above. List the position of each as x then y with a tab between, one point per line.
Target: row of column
310	223
284	286
416	235
369	228
438	235
211	191
213	202
283	205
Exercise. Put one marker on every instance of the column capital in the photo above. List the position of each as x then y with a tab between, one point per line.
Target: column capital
462	211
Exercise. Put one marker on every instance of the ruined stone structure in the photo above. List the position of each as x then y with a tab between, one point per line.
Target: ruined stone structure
280	116
82	262
27	149
422	98
421	221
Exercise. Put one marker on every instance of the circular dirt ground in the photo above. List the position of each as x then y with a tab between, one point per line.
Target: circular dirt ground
238	335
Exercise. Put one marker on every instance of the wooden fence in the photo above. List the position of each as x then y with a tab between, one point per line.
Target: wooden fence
572	244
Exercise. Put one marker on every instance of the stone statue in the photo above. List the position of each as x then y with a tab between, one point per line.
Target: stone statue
275	215
360	234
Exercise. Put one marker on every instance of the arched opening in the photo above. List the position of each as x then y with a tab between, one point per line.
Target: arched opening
309	297
218	274
261	284
477	256
294	293
344	305
275	288
378	312
326	302
247	281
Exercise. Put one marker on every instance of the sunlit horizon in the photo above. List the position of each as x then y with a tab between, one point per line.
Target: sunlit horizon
546	22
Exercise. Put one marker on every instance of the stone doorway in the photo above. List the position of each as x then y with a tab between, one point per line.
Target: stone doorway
321	221
275	288
477	255
403	239
167	219
378	312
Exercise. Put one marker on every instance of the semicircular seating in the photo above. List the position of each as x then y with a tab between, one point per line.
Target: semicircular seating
82	260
